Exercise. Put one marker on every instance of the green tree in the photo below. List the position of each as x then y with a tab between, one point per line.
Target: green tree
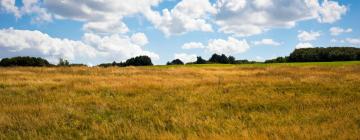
139	61
176	62
200	60
63	62
324	54
24	61
215	58
232	60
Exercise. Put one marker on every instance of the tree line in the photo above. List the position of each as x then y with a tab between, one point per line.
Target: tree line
298	55
320	55
135	61
27	61
24	61
214	59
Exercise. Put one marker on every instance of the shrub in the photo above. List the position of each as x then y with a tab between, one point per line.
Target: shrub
139	61
175	62
222	59
200	60
278	60
24	61
63	62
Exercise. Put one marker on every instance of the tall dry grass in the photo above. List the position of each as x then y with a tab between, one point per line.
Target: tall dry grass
209	102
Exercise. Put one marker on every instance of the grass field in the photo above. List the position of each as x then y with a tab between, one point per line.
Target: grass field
259	101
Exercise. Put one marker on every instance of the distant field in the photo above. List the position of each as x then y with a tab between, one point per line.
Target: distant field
253	101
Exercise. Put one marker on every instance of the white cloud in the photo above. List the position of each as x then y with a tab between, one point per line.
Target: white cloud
263	3
331	11
237	17
100	16
186	58
259	59
107	16
304	45
32	7
308	36
193	45
235	5
29	7
221	46
186	16
93	48
251	17
9	6
106	27
39	44
229	46
97	10
353	41
139	39
335	31
268	42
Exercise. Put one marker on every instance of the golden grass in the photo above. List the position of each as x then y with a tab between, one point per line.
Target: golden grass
211	102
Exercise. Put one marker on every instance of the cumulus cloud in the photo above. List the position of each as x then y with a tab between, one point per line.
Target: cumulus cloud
139	39
39	44
229	46
236	17
29	7
100	16
335	31
186	16
251	17
193	45
186	58
331	11
304	45
107	16
9	6
308	36
353	41
268	42
97	10
106	27
221	46
92	49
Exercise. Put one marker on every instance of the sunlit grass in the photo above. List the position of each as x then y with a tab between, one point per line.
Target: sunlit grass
257	101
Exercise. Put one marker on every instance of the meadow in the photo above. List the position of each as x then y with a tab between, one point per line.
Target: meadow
252	101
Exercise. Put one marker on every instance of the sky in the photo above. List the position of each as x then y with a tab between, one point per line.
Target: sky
102	31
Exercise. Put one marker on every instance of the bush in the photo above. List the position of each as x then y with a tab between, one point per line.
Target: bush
175	62
24	61
63	62
139	61
278	60
200	60
135	61
232	60
222	59
245	62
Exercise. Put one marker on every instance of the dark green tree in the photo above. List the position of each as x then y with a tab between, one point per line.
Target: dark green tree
222	59
24	61
215	58
175	62
232	60
139	61
200	60
324	54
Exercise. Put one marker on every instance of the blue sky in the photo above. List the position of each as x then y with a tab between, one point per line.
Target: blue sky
94	32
